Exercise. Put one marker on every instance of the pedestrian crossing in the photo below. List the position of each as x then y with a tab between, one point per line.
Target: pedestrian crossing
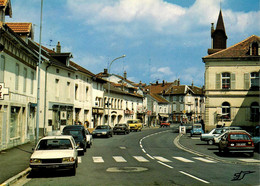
142	159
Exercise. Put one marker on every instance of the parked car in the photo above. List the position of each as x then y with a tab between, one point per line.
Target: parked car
103	130
256	138
236	141
196	129
79	135
56	152
121	128
89	138
135	124
209	137
224	130
165	124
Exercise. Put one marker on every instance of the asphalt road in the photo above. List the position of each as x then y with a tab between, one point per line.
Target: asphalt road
149	157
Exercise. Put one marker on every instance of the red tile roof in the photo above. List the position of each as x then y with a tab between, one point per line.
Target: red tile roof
20	28
3	2
159	98
239	50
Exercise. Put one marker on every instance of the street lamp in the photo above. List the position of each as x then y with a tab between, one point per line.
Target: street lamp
108	115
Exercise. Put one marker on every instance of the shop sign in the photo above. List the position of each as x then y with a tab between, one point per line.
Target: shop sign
3	91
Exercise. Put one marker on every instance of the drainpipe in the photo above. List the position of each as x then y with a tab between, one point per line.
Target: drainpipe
45	100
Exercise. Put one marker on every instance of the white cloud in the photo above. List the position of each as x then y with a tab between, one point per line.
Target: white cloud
192	74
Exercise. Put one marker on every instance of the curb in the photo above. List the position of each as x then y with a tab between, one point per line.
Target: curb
16	177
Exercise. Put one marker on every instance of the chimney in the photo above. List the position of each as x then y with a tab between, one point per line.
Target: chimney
125	75
192	84
162	83
105	71
58	48
178	82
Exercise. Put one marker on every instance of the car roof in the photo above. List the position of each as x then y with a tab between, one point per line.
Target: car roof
58	137
73	127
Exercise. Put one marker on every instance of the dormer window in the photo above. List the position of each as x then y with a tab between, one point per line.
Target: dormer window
254	49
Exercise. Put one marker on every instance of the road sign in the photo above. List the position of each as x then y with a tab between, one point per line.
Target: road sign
3	91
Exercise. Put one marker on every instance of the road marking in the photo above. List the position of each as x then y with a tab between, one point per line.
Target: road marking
162	159
141	159
122	147
183	159
195	138
250	160
194	177
165	164
119	159
98	159
79	160
204	160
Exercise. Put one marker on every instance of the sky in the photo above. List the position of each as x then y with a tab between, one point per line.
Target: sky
162	39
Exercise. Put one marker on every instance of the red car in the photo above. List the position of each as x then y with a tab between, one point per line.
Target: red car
236	142
165	124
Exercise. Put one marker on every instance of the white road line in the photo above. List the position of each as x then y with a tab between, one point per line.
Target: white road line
183	159
98	159
79	160
194	177
140	159
162	159
122	147
119	159
204	160
165	164
250	160
195	138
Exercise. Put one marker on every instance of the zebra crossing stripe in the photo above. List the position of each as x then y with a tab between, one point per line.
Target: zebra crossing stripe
204	160
250	160
97	159
183	159
162	159
79	160
141	159
119	159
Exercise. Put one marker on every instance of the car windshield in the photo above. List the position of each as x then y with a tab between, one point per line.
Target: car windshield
131	121
119	125
74	133
197	126
239	137
54	144
102	127
217	131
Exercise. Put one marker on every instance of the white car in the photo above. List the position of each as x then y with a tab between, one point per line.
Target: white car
55	152
209	137
89	138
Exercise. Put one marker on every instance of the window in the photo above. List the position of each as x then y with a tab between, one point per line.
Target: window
2	68
57	87
254	76
254	49
225	111
76	91
86	93
68	89
24	79
225	79
16	76
32	79
254	112
57	70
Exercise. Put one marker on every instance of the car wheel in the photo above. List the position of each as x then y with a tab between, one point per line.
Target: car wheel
211	142
73	170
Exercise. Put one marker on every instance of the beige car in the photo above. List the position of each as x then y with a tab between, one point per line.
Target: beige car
135	124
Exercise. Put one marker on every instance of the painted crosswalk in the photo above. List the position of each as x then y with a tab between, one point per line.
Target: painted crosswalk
142	159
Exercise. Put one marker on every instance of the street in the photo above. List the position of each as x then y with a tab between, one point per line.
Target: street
150	157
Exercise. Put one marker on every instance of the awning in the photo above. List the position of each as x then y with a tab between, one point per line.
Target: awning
164	115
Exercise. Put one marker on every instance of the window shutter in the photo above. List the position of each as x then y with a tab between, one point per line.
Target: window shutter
233	81
217	81
246	81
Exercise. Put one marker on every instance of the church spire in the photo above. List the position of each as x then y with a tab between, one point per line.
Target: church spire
218	35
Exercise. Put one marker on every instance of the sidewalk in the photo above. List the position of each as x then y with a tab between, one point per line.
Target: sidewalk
14	160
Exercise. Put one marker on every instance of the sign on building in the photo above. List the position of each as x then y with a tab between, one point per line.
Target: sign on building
3	91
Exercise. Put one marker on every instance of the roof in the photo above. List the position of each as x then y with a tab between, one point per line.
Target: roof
239	50
220	23
159	88
158	98
7	5
58	137
20	28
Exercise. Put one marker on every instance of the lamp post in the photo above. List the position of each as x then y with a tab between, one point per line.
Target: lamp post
38	80
108	104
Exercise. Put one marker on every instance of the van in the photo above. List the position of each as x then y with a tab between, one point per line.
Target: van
135	124
79	135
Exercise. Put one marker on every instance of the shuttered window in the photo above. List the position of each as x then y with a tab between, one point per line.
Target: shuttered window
2	68
246	81
217	81
233	81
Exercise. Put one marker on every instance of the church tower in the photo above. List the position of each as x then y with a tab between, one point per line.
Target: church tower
218	36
